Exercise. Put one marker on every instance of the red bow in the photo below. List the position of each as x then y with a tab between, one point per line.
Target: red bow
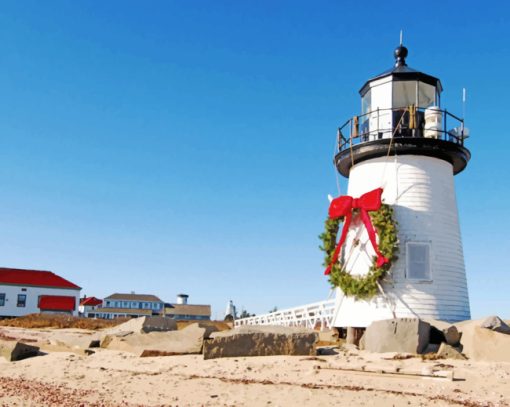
343	206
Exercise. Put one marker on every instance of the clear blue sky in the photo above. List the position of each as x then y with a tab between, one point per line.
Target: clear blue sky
173	146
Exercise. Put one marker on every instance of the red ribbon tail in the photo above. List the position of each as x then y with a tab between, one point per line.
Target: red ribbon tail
336	254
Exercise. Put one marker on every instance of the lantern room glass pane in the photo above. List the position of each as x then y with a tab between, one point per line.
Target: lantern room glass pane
366	102
366	106
426	95
404	93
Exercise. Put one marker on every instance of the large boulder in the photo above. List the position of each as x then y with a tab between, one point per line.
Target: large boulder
16	350
261	341
496	324
186	341
484	344
410	335
143	325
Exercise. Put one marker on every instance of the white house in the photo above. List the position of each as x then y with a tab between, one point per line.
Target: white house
25	292
88	307
130	305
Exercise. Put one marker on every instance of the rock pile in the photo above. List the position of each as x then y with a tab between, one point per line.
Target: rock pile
480	340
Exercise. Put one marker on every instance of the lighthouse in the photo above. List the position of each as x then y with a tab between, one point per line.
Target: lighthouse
407	145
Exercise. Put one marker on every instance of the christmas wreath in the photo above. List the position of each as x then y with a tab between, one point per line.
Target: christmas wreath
375	215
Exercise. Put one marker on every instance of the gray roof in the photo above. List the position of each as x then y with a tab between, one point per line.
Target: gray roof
188	309
133	297
400	71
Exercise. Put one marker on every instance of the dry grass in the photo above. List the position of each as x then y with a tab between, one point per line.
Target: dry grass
66	321
220	325
60	321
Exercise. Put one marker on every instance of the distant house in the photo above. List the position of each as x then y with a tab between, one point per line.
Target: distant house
130	305
25	292
184	311
88	306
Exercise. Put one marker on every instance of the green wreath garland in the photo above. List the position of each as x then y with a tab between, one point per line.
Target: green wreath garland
362	287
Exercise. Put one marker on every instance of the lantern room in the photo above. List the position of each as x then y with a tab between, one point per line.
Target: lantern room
401	113
385	98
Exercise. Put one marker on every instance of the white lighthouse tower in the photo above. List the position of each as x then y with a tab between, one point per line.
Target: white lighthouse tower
406	143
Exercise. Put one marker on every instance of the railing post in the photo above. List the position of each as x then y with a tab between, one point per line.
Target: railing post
356	129
376	136
462	132
444	131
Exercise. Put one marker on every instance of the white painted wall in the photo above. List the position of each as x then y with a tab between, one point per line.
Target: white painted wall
11	298
421	190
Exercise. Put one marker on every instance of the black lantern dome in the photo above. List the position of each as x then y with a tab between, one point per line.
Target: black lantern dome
402	114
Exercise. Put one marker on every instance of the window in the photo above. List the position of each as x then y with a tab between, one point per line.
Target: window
2	300
418	261
22	300
426	95
404	93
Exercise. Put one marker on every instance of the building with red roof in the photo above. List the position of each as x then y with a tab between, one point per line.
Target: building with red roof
25	292
88	306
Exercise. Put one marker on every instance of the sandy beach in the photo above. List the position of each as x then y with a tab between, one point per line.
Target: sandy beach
67	377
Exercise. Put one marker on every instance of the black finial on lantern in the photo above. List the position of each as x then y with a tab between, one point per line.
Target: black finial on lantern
400	56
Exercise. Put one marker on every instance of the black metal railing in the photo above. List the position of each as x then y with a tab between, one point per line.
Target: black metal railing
401	122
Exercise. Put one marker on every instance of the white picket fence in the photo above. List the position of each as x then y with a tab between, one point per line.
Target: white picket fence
315	315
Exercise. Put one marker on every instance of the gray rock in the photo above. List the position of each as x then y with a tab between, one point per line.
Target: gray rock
452	335
261	341
16	350
449	352
496	324
185	341
158	324
409	335
143	325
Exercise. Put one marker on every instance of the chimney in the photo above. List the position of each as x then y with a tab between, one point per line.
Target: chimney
182	299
